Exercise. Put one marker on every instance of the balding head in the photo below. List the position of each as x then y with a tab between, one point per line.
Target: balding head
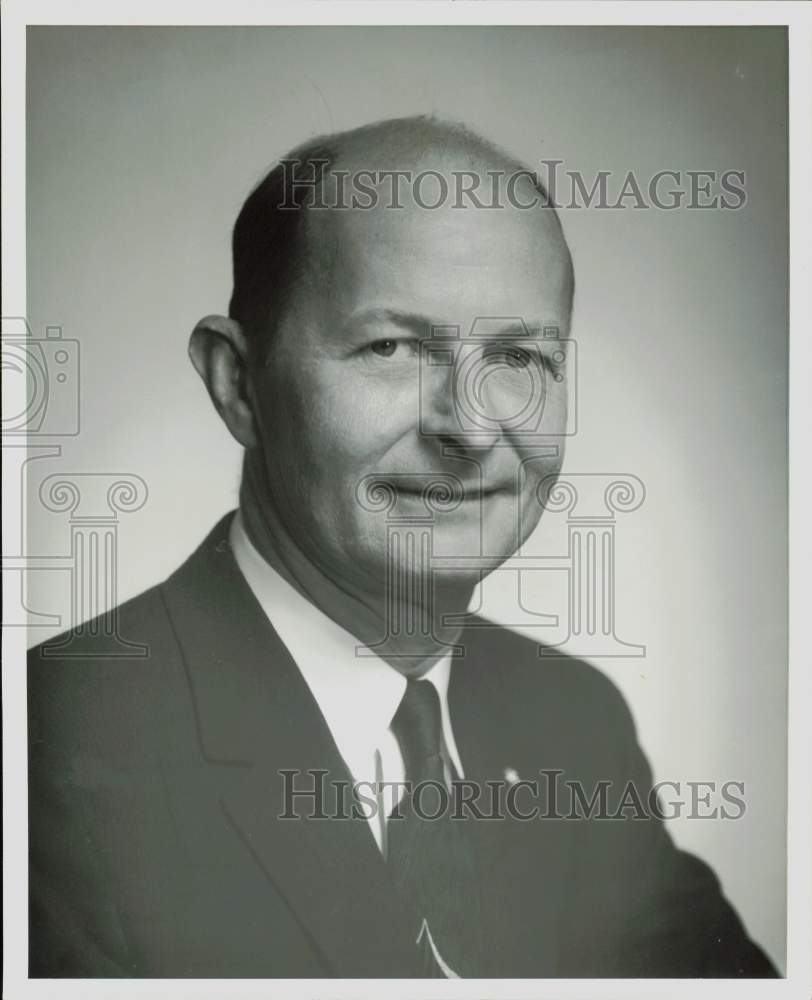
291	226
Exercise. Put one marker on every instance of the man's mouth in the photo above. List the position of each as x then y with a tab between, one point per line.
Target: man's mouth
472	492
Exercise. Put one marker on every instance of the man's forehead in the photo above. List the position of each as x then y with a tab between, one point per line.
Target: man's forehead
431	222
445	259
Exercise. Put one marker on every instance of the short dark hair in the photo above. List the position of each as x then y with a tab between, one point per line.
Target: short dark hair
266	242
268	239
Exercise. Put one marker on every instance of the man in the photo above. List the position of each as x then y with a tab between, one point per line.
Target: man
389	365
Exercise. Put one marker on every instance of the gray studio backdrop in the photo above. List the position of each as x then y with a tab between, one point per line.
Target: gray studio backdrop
142	143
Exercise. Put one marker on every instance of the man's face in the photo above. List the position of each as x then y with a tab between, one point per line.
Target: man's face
349	395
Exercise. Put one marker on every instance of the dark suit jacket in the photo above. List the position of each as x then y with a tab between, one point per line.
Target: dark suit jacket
156	847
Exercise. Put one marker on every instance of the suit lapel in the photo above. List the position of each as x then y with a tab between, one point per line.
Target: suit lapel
523	864
257	717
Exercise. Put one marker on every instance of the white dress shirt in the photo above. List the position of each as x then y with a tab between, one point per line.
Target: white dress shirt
357	695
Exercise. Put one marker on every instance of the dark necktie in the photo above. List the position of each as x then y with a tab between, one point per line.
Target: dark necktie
432	859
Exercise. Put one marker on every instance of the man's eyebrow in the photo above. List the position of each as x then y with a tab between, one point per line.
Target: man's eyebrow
425	325
413	322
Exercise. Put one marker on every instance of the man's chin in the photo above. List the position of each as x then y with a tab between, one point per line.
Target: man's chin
475	547
452	550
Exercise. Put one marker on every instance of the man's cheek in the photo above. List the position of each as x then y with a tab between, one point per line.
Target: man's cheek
362	419
536	458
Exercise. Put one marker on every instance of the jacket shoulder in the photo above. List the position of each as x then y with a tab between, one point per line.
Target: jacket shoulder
100	682
528	667
567	698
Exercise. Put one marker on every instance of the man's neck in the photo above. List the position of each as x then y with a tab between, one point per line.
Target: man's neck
363	610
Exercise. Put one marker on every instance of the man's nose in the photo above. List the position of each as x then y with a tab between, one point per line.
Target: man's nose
447	417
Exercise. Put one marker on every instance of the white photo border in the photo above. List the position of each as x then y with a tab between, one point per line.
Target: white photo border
17	15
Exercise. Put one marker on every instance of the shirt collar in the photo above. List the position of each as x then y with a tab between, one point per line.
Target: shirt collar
358	692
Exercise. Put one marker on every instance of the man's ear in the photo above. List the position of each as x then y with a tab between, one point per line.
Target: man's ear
219	351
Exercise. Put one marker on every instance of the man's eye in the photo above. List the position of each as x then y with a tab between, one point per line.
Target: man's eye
384	348
402	349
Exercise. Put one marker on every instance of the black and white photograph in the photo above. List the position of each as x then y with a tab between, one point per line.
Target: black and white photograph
398	431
